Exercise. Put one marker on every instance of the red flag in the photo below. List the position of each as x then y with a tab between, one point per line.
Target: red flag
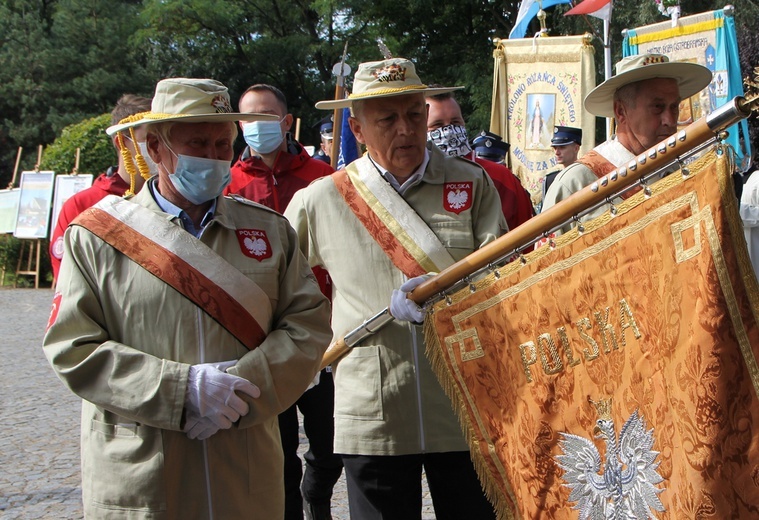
598	8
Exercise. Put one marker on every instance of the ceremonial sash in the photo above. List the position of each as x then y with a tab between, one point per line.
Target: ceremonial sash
393	224
600	166
185	263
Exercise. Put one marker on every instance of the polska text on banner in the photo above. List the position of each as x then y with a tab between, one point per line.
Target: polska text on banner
626	355
538	84
708	39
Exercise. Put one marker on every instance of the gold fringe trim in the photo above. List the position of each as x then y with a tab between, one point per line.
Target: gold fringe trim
433	351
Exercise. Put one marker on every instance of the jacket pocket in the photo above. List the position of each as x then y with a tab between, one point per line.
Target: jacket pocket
455	235
358	387
122	466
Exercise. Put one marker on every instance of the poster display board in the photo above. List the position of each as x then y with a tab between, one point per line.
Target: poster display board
33	215
65	187
8	209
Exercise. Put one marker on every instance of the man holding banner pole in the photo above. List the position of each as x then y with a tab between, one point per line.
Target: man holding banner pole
403	210
644	98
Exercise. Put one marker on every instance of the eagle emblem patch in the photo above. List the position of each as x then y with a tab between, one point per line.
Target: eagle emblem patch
254	243
621	484
457	196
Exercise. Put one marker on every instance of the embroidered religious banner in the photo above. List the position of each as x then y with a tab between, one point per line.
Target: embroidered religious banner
708	39
538	84
614	374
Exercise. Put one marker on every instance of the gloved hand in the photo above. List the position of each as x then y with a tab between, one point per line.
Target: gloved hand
211	393
404	309
197	427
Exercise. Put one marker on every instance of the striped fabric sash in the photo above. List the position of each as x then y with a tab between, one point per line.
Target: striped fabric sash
393	224
185	263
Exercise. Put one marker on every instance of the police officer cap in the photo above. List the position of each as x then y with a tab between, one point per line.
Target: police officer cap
325	126
564	135
490	146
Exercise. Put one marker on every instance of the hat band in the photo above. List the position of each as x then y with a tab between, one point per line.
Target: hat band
382	91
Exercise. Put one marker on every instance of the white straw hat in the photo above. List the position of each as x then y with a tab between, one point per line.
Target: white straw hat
691	79
188	100
386	78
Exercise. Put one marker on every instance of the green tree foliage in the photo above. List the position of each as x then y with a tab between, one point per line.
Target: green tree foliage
62	61
96	153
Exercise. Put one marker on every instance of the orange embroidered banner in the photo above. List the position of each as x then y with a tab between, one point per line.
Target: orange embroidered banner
616	372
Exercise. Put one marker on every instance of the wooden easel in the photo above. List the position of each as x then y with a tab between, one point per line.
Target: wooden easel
32	265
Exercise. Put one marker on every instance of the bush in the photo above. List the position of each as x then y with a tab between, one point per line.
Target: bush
96	152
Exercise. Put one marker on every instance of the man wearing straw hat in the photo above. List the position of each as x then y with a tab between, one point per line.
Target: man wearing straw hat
402	210
644	99
186	322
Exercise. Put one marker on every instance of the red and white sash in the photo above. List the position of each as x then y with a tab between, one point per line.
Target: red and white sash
185	263
401	233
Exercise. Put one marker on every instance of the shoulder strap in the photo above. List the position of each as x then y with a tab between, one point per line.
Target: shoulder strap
185	263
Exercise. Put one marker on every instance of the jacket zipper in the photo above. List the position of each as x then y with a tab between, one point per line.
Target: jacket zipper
202	347
415	351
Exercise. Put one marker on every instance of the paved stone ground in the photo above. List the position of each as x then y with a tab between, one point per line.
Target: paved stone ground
39	417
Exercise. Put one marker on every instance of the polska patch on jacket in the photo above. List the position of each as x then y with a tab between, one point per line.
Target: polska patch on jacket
457	196
254	243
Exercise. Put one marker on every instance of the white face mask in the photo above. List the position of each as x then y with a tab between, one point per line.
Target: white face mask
451	140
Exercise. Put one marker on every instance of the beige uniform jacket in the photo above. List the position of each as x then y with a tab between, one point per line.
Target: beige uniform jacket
576	176
387	399
123	341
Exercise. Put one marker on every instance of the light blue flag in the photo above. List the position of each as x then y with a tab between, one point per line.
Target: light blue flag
348	144
527	11
726	83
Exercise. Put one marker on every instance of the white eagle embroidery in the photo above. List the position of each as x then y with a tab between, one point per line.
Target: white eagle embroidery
627	487
256	246
457	199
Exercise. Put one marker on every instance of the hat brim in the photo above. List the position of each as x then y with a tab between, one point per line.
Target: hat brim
562	142
198	118
691	79
333	104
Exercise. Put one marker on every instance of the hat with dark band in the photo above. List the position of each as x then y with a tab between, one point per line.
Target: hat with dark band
564	135
490	146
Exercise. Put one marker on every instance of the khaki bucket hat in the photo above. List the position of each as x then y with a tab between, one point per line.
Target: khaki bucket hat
691	79
386	78
188	100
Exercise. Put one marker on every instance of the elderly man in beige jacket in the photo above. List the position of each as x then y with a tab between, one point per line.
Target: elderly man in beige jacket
402	210
186	322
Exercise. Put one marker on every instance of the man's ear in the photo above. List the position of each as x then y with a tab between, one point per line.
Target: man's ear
620	111
151	140
355	125
288	122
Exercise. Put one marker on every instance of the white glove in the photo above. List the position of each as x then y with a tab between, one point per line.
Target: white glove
404	309
315	381
211	393
200	428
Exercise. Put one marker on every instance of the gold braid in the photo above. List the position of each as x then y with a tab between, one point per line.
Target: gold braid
129	164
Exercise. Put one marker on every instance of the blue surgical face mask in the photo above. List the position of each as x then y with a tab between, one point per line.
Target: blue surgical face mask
200	180
263	136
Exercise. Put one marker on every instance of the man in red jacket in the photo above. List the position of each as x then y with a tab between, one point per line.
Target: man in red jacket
270	170
115	181
446	128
